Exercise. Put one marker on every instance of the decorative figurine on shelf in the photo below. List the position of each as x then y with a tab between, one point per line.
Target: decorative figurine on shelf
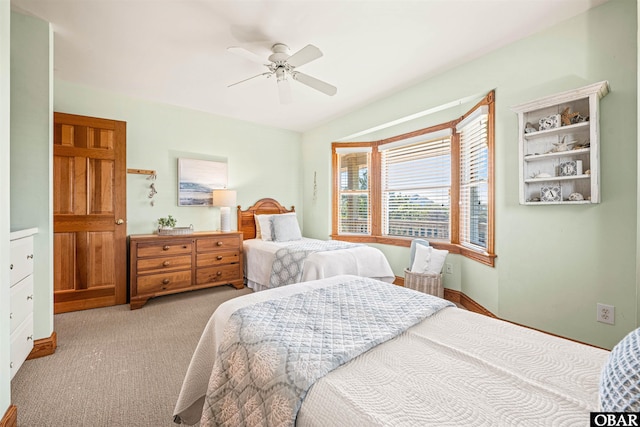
576	197
581	145
567	116
549	122
561	146
528	128
579	119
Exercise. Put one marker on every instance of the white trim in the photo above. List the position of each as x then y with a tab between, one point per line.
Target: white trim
600	89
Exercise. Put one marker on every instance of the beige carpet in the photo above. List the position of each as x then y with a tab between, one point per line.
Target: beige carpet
116	367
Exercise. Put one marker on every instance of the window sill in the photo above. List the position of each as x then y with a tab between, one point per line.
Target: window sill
453	248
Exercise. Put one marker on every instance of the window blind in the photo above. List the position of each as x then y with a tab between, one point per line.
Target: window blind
474	179
416	186
354	215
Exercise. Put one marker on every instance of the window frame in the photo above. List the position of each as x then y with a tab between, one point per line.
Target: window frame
454	245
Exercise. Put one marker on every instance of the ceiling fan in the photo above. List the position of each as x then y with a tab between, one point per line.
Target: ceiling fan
283	67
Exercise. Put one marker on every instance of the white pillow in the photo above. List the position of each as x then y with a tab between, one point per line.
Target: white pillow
263	226
428	260
414	243
285	228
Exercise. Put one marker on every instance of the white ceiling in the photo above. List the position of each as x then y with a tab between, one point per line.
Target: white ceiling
174	51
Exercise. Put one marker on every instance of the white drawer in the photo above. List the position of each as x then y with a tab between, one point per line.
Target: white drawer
21	304
21	344
21	256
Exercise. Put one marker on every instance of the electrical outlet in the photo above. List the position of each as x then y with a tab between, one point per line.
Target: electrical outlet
606	313
448	268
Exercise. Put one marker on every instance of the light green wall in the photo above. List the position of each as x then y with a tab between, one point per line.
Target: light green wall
5	90
554	262
31	186
262	161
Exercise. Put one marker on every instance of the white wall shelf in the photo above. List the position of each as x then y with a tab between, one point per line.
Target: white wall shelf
564	156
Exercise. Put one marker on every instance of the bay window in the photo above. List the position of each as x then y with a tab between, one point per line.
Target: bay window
434	183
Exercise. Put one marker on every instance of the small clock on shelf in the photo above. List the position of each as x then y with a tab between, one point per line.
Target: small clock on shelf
568	168
550	193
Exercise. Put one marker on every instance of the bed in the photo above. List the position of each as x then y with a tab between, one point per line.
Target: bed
449	366
271	263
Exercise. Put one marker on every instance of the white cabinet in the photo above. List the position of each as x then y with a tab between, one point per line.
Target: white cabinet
559	147
21	297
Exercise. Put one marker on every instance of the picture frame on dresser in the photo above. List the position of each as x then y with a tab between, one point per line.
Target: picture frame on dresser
559	147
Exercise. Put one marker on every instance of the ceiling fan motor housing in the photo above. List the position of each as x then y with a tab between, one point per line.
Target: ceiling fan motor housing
279	55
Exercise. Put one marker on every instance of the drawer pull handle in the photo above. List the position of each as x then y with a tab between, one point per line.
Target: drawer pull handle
184	246
166	264
166	247
165	282
219	243
30	256
219	273
30	337
11	267
29	297
10	315
11	365
219	257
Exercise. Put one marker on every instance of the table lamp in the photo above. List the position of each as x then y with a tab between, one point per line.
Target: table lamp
224	199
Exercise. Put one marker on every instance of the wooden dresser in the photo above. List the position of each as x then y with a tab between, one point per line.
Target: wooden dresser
162	265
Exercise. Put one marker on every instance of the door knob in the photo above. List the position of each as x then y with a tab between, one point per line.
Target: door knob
119	221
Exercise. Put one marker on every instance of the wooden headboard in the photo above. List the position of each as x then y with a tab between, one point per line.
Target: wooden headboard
246	220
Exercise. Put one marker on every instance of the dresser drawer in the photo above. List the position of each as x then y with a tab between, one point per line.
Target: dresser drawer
223	274
163	263
21	302
21	344
217	258
21	258
164	282
224	242
176	247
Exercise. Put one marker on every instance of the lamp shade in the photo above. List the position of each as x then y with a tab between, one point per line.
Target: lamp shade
224	198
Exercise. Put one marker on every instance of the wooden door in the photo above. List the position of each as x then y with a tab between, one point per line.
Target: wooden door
89	207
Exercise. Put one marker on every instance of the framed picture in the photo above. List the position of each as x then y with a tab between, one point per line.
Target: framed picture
197	179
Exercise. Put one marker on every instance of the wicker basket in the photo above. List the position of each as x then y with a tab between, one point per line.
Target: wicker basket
427	283
175	231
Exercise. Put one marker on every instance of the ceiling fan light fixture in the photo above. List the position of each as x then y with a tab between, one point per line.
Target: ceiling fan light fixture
282	65
284	91
281	74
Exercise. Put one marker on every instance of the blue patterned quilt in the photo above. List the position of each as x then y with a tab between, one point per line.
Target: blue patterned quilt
273	351
288	265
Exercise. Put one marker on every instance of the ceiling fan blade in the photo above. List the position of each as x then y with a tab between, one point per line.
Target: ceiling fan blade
314	83
246	54
304	56
284	91
245	80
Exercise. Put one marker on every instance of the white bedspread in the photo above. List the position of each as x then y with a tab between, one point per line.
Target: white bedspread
364	261
454	368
